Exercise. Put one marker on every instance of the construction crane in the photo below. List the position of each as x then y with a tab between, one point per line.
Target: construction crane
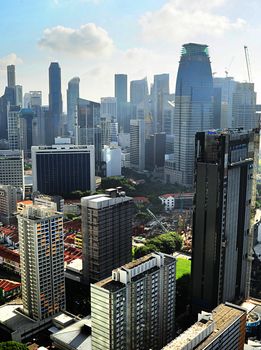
157	220
248	64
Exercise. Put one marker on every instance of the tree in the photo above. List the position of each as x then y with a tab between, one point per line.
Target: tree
12	345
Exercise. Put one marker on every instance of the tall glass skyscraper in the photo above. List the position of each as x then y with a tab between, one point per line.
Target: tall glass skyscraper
193	107
72	100
55	98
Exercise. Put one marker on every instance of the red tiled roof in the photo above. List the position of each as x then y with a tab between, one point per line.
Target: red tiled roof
177	195
71	253
9	254
7	285
140	199
167	195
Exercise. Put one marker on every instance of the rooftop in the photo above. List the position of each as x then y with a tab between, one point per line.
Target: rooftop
7	285
76	336
223	316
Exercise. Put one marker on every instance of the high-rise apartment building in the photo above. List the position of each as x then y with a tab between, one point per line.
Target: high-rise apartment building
137	144
62	169
224	328
11	76
135	307
107	231
222	241
12	168
13	126
9	195
55	99
42	261
193	107
72	100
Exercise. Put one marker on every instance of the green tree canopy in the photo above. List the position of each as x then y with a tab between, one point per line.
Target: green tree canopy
12	345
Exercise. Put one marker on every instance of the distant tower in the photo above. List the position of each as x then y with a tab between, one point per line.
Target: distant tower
121	92
42	261
193	107
11	76
72	100
55	99
137	144
138	91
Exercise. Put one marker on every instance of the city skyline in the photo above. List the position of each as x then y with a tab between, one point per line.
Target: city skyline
84	37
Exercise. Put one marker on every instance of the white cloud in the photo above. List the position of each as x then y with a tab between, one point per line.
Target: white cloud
12	58
89	40
187	19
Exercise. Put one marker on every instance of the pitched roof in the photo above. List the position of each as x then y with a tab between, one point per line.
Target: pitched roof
7	285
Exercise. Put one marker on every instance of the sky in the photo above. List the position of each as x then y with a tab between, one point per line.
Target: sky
94	39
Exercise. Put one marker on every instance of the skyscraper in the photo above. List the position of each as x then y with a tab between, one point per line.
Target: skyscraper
159	90
121	92
42	261
155	149
107	231
135	307
109	107
88	131
11	76
137	144
55	99
62	169
72	100
221	249
138	91
244	107
120	87
193	107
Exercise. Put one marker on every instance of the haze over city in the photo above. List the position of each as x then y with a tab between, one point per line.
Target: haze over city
94	39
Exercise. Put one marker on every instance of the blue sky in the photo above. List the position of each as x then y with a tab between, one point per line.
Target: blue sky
94	39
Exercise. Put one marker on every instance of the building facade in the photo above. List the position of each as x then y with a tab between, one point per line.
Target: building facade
9	195
135	307
221	246
62	169
193	107
42	261
107	231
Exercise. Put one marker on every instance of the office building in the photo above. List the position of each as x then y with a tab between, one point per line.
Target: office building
72	100
9	195
244	107
121	92
107	231
138	91
27	131
222	241
62	169
193	107
135	307
7	99
226	86
11	76
55	99
42	261
111	156
12	168
109	107
159	90
13	126
155	149
19	95
88	131
109	130
137	144
223	328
